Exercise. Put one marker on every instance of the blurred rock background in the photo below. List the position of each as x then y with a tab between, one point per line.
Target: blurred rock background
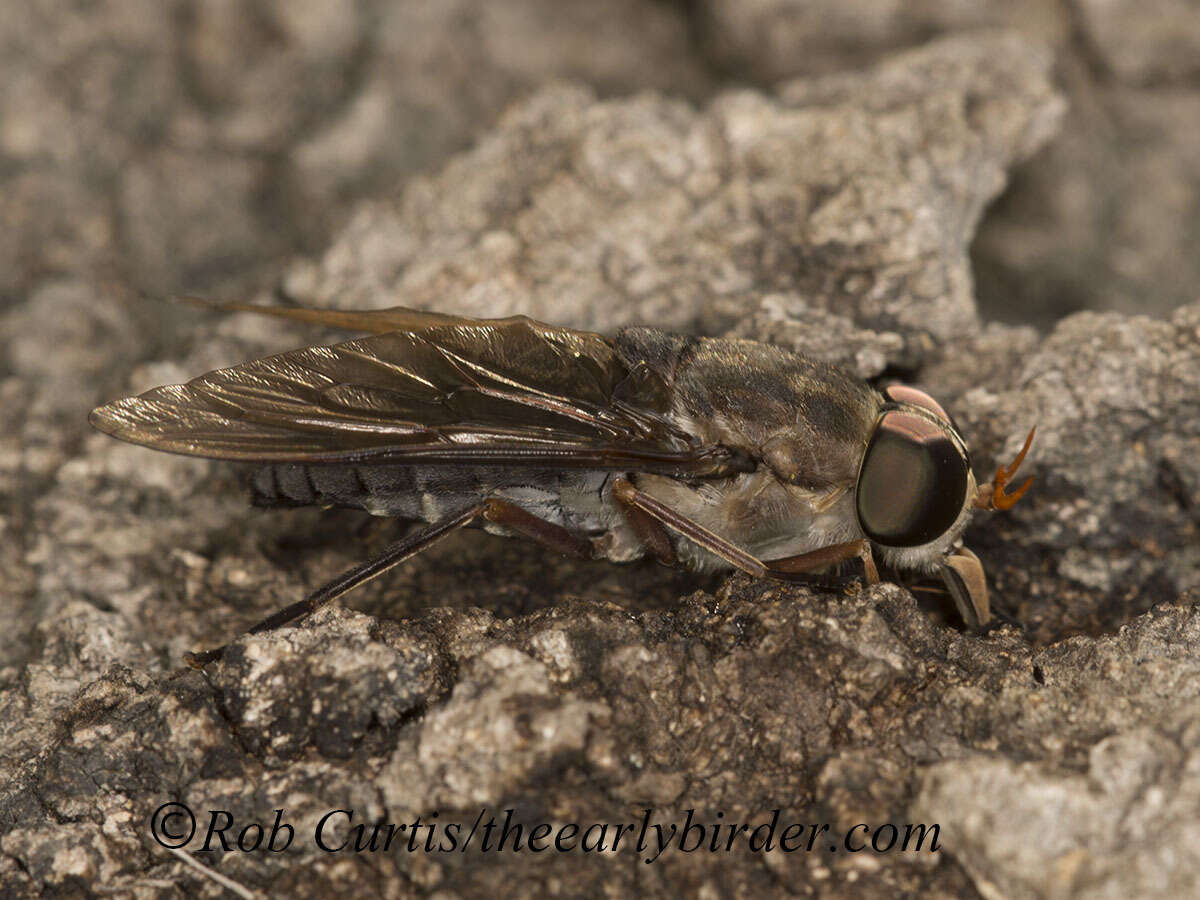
922	189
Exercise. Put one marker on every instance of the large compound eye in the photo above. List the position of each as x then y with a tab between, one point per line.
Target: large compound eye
902	393
912	483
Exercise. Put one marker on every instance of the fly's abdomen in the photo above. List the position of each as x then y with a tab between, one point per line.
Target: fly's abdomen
300	485
405	492
573	499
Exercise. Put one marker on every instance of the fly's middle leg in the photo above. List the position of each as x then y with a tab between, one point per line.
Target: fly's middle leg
555	537
494	510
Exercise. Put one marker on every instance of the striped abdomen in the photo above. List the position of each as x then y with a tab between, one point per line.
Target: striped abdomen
573	499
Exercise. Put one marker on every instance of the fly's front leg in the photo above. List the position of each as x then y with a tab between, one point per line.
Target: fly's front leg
828	556
495	510
787	569
628	495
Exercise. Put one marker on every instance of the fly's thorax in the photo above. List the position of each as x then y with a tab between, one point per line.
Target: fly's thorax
801	458
805	420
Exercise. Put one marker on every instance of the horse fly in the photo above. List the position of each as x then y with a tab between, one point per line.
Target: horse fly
701	452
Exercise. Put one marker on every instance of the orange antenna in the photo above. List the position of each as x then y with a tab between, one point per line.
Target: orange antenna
994	495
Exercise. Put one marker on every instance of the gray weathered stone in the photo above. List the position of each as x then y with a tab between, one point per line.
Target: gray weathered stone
177	143
487	675
1112	522
1145	43
1101	219
859	193
769	40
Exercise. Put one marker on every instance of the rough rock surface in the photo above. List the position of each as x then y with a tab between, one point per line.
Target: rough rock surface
1111	533
1103	218
176	142
773	39
858	192
1058	756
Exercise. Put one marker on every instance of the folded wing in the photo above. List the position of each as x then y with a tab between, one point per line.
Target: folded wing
445	390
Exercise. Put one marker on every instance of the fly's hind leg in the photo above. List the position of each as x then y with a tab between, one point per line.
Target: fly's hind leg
495	510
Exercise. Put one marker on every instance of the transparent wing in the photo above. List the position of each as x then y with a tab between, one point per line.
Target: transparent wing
447	390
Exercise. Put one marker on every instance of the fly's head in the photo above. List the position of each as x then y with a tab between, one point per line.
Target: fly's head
916	493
